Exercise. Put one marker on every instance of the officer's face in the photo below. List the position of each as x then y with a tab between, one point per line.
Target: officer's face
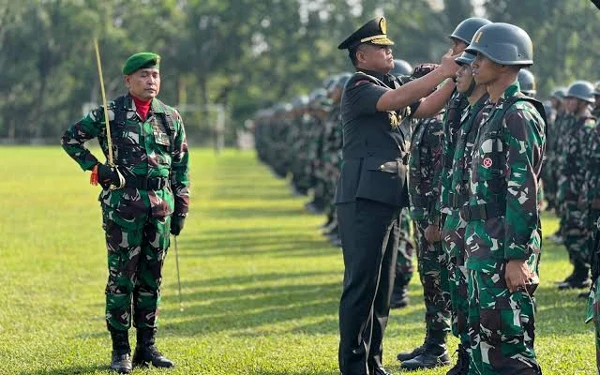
485	71
464	78
377	58
144	83
458	46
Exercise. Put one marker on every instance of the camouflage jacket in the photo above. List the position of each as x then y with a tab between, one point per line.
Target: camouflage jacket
455	109
424	169
574	158
591	187
141	149
505	184
463	153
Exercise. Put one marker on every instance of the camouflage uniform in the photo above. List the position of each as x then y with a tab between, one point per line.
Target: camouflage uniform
503	223
572	179
453	231
425	167
136	220
332	146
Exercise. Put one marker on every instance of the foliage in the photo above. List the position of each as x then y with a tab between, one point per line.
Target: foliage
242	54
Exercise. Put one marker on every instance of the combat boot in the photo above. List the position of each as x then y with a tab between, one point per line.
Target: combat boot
462	362
579	280
121	361
405	356
433	356
146	352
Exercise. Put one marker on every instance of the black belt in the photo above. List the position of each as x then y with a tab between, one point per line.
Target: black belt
457	200
369	152
146	183
482	211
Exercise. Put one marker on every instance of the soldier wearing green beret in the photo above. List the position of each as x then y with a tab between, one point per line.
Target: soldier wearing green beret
144	199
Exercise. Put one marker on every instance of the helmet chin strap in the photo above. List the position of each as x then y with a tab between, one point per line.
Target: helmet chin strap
471	89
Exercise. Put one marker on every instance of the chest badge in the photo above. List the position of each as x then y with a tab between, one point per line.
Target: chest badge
394	119
487	162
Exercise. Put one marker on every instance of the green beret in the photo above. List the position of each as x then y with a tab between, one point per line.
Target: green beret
141	60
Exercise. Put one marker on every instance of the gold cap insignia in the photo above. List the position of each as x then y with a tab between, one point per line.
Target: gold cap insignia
383	26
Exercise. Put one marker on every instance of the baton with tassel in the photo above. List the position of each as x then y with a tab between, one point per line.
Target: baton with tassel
178	278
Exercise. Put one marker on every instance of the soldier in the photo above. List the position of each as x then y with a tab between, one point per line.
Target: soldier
145	196
527	83
319	108
453	230
460	39
503	233
425	167
572	179
371	190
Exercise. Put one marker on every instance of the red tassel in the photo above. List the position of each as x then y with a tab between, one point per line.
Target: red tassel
94	176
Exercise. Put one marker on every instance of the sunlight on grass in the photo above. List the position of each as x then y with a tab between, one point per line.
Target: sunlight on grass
260	285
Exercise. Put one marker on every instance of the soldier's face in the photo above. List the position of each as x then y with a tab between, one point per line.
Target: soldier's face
573	105
377	58
144	83
464	78
485	71
458	46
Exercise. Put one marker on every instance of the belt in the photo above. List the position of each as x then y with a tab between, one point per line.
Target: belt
146	183
367	152
482	211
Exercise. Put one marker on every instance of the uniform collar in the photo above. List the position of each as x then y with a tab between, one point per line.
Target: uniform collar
510	91
388	79
155	107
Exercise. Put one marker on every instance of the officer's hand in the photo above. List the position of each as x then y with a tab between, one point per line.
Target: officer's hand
433	234
177	223
517	274
423	69
108	175
448	67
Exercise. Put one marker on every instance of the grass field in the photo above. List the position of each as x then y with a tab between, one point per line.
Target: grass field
260	285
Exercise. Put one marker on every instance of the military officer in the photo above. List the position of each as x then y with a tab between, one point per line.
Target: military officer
145	196
371	190
503	232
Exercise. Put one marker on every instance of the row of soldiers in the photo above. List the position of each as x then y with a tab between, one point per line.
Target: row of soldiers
303	140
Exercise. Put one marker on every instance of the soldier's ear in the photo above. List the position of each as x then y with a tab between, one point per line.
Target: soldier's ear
127	80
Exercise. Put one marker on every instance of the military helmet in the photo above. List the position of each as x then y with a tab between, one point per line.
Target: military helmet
466	58
401	68
342	79
527	82
300	101
504	44
597	88
559	93
582	90
329	82
467	28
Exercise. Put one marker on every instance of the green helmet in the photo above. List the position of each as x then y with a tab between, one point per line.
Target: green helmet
504	44
467	28
597	88
465	59
401	68
582	90
527	82
559	93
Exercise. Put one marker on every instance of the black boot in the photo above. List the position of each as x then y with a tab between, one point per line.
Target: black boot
462	362
121	361
146	352
405	356
433	356
580	278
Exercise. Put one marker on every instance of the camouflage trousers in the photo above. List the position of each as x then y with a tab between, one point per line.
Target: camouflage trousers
404	263
137	248
433	272
594	315
453	244
501	326
575	234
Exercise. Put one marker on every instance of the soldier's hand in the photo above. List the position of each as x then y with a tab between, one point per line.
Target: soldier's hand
448	66
177	223
423	69
107	175
433	234
517	274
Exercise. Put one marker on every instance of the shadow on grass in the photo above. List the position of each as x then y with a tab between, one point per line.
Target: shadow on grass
69	370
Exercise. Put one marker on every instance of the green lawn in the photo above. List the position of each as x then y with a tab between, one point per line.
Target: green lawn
260	285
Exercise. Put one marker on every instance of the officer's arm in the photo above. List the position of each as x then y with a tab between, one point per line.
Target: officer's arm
180	169
74	138
411	92
434	103
524	139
